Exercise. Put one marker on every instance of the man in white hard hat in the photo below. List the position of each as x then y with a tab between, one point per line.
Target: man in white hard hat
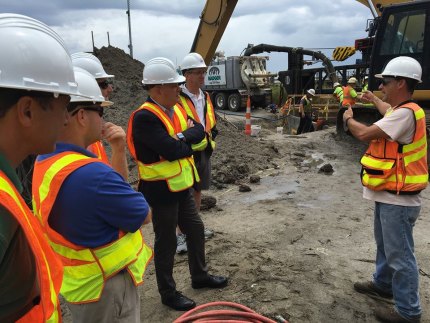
160	136
198	106
338	92
35	86
349	93
305	111
92	217
112	133
394	172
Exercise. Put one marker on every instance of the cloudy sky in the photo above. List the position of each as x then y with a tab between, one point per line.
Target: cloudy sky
167	27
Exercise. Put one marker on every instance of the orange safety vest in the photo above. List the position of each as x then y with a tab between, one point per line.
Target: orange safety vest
99	150
179	174
210	119
49	268
347	98
86	270
401	169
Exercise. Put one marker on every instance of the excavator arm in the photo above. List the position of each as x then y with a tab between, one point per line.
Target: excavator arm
213	21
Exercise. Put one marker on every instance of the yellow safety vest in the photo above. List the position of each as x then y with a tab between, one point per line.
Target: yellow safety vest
179	174
400	169
85	269
210	119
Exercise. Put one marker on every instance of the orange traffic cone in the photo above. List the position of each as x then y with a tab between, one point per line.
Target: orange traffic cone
248	117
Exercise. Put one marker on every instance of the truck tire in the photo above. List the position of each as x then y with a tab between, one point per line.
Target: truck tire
220	101
234	102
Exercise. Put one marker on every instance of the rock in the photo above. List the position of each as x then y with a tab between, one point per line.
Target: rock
208	202
326	169
244	188
254	179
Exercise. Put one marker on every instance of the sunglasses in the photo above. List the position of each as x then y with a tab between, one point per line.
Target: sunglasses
387	80
95	108
104	84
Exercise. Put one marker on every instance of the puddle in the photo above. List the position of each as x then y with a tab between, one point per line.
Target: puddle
271	188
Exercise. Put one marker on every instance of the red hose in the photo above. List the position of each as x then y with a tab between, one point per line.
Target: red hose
239	314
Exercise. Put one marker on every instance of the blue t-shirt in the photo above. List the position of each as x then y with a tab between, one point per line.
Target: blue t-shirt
94	203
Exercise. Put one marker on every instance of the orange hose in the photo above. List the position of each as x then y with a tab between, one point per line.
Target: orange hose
239	314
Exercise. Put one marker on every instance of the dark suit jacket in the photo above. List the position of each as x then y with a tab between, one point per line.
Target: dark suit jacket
151	141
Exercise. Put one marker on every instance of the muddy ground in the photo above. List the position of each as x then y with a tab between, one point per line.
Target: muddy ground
293	245
296	243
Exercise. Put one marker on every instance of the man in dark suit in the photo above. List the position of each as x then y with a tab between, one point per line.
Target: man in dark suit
160	135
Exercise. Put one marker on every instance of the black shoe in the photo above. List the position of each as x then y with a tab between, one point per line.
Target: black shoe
210	282
369	288
178	302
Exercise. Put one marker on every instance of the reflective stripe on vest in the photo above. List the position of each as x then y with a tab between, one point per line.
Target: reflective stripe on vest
85	269
385	168
99	150
347	98
49	268
179	174
210	120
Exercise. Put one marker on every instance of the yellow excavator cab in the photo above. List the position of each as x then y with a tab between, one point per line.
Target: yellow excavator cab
380	3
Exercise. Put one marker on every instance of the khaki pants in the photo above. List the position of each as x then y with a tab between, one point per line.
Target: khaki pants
119	302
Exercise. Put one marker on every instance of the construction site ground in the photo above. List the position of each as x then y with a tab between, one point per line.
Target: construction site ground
292	245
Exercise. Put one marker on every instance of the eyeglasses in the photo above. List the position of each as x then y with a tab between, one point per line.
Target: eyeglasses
386	80
198	72
95	108
104	84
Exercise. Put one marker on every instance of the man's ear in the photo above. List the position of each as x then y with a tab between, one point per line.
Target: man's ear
25	108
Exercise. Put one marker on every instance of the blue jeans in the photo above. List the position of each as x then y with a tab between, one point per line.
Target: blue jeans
396	266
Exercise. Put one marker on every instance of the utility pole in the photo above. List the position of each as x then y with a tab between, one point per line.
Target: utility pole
130	46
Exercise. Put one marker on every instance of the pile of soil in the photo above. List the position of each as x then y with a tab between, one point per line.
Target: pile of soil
236	157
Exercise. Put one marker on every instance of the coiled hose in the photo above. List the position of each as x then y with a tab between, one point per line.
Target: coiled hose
239	314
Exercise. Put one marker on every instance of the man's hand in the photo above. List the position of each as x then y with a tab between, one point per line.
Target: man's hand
348	113
368	97
190	123
114	135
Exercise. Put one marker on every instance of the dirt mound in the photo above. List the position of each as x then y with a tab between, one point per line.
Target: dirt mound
128	93
236	157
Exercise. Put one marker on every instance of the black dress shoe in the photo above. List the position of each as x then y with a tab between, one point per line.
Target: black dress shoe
178	302
210	282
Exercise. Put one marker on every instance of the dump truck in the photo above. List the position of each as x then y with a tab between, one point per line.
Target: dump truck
230	80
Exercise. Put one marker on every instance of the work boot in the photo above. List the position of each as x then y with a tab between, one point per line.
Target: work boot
389	314
208	233
370	289
181	243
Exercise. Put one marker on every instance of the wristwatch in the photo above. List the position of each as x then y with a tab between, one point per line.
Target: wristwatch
180	136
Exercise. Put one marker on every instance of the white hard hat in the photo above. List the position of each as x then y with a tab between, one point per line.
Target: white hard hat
90	63
311	92
161	70
193	60
34	57
366	78
352	80
87	85
336	84
402	66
